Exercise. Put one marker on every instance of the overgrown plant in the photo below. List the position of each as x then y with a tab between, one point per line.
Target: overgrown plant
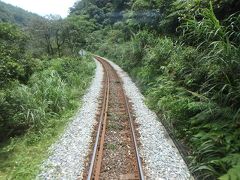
194	89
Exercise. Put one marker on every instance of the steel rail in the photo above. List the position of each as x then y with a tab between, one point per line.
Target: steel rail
139	162
99	143
102	124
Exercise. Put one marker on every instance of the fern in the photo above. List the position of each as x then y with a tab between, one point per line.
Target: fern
232	174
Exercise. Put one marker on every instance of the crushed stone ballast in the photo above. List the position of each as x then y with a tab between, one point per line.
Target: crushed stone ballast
69	152
160	156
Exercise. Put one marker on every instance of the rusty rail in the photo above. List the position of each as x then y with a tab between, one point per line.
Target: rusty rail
99	143
101	127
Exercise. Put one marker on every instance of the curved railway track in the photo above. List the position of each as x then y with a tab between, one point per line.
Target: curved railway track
131	165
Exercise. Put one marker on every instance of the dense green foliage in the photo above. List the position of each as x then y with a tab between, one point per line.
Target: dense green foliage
190	96
48	93
12	47
38	111
185	57
33	85
42	80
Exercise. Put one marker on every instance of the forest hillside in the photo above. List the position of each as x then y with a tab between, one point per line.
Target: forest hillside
16	15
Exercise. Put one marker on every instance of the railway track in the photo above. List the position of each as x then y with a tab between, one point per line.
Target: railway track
115	152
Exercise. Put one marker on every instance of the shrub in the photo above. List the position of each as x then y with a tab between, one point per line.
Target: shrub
48	93
30	106
192	83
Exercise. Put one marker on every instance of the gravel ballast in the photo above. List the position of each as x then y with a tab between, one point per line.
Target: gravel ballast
69	152
162	159
67	156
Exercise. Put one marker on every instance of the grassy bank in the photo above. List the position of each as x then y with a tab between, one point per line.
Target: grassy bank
194	91
37	112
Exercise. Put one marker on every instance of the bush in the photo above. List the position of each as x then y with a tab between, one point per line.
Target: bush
12	49
192	83
49	93
193	91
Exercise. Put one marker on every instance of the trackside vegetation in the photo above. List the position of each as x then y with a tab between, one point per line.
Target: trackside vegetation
36	113
184	55
42	81
190	98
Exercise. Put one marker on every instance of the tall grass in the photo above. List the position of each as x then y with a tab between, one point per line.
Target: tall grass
48	93
34	114
193	84
45	96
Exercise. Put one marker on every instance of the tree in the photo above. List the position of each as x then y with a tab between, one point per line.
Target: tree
12	50
49	34
76	31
